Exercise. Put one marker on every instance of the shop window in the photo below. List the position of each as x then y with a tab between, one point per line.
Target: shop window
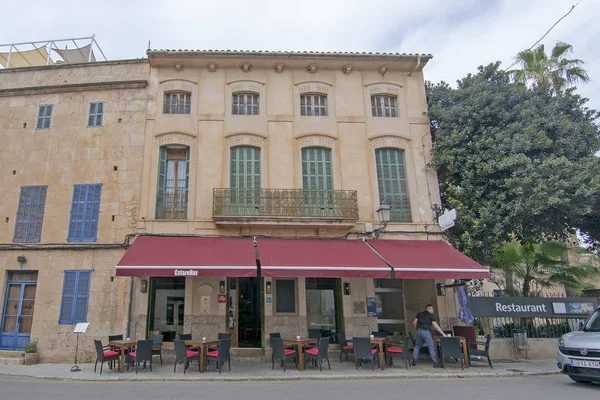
390	305
285	296
322	306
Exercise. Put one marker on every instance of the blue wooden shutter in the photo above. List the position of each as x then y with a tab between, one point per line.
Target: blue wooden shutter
82	296
392	183
92	214
85	212
30	214
160	187
68	298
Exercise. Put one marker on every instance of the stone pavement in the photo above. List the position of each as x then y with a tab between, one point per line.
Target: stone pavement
263	372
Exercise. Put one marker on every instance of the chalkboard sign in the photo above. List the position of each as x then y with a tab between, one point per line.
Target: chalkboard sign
371	307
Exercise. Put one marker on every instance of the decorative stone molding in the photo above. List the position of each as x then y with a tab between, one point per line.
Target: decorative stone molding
178	85
382	70
390	141
213	67
177	138
246	67
312	68
314	87
246	86
316	140
246	139
178	66
347	69
392	89
278	68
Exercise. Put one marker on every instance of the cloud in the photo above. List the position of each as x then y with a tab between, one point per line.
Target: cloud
460	34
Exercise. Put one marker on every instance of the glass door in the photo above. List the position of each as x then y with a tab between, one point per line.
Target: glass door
390	306
322	306
17	315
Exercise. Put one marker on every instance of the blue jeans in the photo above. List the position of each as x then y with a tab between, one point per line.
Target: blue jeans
424	336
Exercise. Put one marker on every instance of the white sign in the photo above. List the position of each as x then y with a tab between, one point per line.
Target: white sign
185	272
81	327
446	220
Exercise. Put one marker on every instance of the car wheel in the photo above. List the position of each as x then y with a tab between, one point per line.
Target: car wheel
578	380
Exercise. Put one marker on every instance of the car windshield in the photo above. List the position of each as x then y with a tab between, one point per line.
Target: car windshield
593	322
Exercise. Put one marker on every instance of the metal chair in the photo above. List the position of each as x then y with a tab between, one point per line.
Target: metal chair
281	353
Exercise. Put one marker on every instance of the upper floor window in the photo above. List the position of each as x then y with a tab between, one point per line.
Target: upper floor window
85	212
244	104
177	103
30	214
96	114
313	105
44	116
173	181
392	183
384	106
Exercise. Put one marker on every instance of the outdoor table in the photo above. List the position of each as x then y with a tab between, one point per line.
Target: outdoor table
463	342
123	344
380	342
299	343
202	345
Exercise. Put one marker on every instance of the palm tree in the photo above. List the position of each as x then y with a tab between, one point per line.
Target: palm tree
542	264
555	71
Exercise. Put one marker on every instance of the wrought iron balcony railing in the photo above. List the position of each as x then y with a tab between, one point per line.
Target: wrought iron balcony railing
286	203
172	205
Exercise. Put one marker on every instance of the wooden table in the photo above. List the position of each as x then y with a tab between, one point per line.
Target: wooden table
380	342
299	343
463	342
123	344
202	345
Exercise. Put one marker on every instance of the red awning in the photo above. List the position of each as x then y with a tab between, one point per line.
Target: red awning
188	256
428	259
319	258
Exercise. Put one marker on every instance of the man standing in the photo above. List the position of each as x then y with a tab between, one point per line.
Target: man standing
423	322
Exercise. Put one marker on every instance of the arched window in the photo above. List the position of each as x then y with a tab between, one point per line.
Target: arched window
384	105
173	182
177	103
392	183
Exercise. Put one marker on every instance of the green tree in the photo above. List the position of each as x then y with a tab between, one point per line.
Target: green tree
544	265
516	163
554	71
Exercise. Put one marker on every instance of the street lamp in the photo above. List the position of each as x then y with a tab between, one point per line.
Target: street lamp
383	213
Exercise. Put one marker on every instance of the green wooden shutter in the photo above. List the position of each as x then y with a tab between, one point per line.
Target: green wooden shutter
160	188
317	181
392	183
244	180
187	180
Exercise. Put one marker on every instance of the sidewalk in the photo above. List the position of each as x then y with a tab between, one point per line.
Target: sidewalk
263	372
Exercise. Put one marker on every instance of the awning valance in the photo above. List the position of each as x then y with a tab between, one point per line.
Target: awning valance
428	259
164	256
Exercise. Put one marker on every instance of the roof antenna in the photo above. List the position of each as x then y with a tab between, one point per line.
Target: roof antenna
148	44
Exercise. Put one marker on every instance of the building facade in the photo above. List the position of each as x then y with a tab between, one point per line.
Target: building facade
233	191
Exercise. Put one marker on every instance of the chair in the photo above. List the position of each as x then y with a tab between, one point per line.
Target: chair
221	355
275	335
398	350
219	337
187	336
364	351
481	353
346	348
379	334
102	355
184	355
143	352
319	354
450	347
468	332
281	353
114	348
157	341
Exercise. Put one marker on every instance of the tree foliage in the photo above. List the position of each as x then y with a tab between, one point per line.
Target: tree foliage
517	163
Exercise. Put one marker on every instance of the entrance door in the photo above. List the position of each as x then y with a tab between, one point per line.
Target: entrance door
18	309
245	313
175	312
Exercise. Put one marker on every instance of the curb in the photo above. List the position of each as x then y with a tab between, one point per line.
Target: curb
485	375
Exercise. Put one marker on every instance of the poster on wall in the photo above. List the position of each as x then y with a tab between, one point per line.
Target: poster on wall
371	307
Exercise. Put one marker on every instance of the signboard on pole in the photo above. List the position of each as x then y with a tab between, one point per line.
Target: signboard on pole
532	307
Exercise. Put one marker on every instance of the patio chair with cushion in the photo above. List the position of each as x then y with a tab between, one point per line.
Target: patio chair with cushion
187	336
364	351
398	350
450	347
221	355
102	355
345	347
184	355
318	354
143	352
278	335
114	348
479	352
157	341
281	353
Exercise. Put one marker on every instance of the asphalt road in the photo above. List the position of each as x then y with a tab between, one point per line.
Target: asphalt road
545	387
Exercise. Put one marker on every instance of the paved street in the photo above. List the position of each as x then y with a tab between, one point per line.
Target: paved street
547	387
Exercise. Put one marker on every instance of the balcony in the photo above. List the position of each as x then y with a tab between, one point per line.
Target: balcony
295	207
172	205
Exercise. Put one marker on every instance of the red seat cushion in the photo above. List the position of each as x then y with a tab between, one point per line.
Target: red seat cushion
289	351
213	353
110	354
374	351
349	347
191	353
155	349
132	354
393	349
313	352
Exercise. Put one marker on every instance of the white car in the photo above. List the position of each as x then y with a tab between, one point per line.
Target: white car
578	353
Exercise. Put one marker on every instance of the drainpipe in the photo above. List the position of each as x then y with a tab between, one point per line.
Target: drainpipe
416	66
130	306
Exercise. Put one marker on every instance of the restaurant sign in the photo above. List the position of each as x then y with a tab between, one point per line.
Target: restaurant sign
185	272
531	307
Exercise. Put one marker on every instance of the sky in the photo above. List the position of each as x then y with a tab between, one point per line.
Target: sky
461	34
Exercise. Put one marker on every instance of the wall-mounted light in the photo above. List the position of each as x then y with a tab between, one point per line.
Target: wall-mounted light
22	260
383	214
268	287
222	287
346	288
441	289
144	286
